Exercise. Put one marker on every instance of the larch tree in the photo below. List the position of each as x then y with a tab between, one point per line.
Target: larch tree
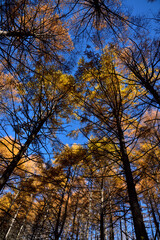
37	112
101	189
106	103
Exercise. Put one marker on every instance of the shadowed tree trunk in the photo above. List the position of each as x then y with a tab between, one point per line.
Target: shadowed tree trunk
102	235
9	170
133	200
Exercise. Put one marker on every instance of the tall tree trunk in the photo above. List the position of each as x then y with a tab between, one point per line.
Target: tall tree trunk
11	224
133	199
74	217
111	231
77	232
102	235
89	214
9	170
61	218
20	230
23	223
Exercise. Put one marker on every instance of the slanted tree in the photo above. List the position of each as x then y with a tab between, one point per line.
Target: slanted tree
37	112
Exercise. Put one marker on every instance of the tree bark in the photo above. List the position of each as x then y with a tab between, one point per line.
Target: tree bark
111	232
74	217
102	235
9	170
139	226
61	221
11	225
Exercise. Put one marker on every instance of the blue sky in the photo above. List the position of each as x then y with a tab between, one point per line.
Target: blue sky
140	7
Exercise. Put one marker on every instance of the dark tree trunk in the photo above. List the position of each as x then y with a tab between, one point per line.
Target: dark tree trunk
74	217
61	218
102	235
133	199
9	170
111	232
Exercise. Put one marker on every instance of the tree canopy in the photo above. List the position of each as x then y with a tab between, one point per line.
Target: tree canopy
86	71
